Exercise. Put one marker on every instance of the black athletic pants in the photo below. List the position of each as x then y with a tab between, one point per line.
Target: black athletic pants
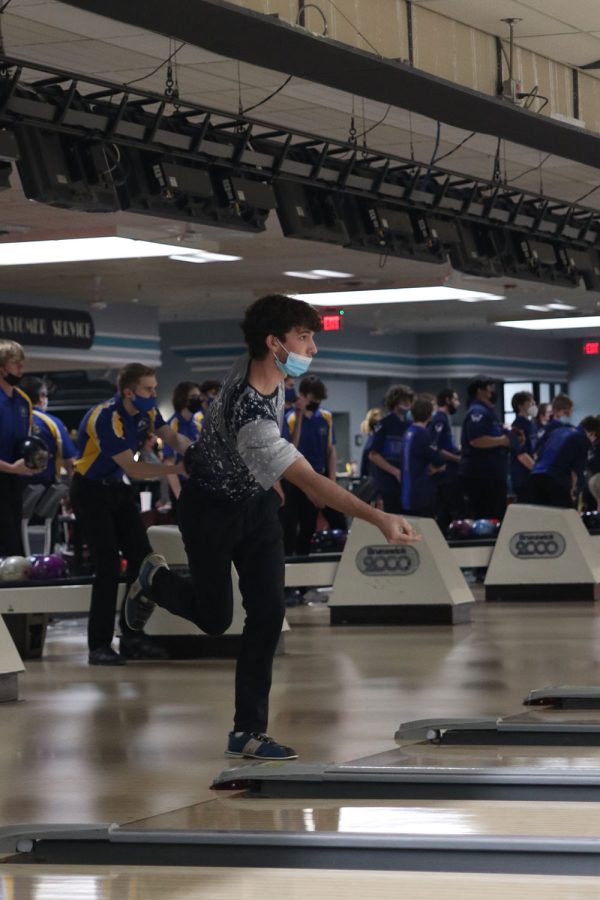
110	520
544	490
11	492
216	533
449	504
299	519
486	497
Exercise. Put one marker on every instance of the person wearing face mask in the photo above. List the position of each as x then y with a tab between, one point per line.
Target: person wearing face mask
386	449
229	513
559	469
309	428
111	436
209	390
51	430
521	458
561	412
485	444
15	425
186	420
449	504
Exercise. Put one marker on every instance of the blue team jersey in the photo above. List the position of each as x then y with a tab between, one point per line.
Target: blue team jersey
105	431
317	436
417	485
564	451
60	446
519	474
387	440
441	438
477	462
15	424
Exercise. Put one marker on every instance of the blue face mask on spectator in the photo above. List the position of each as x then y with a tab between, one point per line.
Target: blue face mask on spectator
144	404
295	364
564	420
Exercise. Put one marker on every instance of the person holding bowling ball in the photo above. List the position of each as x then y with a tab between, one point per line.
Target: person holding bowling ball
110	437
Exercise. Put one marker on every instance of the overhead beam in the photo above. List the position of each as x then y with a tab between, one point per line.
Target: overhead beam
265	41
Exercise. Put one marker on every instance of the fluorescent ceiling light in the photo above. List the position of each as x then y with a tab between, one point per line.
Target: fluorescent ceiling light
397	295
535	308
308	275
557	305
553	324
331	273
202	256
318	274
26	253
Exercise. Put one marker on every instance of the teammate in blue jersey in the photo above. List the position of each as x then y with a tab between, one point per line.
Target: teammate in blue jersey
449	503
52	430
521	458
187	420
228	512
15	425
420	462
386	449
559	469
485	443
110	437
309	427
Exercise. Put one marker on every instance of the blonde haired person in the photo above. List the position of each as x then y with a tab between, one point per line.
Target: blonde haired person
15	426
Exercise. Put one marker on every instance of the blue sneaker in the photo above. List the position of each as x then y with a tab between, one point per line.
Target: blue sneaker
251	745
138	608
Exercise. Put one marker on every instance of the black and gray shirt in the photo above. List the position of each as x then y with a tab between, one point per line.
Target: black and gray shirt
241	451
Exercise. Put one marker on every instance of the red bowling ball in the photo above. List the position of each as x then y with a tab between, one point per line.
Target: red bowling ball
460	530
46	568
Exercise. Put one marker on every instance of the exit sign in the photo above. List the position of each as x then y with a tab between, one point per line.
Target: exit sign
332	321
591	348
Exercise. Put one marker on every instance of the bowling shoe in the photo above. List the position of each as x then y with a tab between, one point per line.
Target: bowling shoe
138	607
252	745
105	656
138	646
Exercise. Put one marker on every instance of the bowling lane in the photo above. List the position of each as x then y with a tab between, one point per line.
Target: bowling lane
450	818
181	883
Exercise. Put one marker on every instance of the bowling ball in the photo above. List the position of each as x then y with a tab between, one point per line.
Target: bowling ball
14	568
483	528
459	530
46	568
192	459
327	541
35	452
591	520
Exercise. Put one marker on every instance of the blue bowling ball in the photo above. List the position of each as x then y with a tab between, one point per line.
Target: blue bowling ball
483	528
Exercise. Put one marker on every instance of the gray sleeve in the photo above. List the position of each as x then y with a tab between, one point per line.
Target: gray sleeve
265	452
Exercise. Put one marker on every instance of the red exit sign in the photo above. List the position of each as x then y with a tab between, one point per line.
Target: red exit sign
591	348
332	321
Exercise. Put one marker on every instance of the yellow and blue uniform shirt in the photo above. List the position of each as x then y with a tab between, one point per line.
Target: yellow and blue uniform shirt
317	436
107	430
54	434
15	423
188	428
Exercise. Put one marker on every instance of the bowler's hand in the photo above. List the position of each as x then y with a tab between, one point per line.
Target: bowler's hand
397	530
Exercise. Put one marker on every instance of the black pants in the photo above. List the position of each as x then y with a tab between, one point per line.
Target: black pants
215	534
546	491
486	497
299	519
449	504
110	520
11	492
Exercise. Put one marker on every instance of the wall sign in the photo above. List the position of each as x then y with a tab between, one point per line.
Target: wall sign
46	327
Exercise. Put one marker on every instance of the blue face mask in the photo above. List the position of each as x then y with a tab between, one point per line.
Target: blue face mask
144	404
295	365
290	395
564	420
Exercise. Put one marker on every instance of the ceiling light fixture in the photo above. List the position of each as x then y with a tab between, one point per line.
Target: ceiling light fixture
571	322
203	256
26	253
396	295
310	276
318	274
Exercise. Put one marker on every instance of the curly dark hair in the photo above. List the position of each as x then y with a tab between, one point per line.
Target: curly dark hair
276	314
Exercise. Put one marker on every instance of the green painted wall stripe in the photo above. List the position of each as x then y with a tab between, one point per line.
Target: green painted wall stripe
138	343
